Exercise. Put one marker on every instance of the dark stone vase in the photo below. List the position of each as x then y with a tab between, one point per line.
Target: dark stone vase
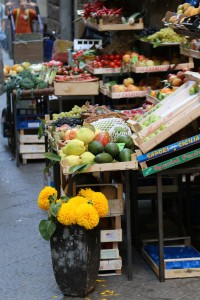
75	254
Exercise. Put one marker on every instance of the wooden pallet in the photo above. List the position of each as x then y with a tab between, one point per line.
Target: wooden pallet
30	147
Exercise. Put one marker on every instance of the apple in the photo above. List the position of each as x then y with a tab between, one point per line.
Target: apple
165	62
149	63
141	57
122	88
180	75
126	58
115	88
128	81
177	82
171	78
134	54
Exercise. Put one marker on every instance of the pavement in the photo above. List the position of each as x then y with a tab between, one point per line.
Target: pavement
25	261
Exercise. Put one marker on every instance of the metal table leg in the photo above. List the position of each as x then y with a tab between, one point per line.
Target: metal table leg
128	225
160	228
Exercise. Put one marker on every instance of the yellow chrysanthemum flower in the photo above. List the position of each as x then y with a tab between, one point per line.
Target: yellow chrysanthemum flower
87	193
67	214
78	200
43	198
87	216
100	203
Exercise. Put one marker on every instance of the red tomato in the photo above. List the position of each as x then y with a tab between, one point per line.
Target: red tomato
112	57
105	56
102	137
100	64
118	56
112	64
118	63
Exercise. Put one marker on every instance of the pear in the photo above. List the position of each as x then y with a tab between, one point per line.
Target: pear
73	160
87	157
74	147
85	134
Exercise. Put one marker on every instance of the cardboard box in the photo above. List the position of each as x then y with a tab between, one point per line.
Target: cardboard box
28	47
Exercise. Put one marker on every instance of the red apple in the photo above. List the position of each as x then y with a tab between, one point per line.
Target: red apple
141	57
180	75
171	78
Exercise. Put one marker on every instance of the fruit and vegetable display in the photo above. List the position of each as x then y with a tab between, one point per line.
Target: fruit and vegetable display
183	11
24	80
104	141
164	35
128	85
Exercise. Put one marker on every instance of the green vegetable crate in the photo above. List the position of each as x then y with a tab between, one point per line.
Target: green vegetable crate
28	47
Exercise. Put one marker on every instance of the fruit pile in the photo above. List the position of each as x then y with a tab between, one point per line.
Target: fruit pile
165	35
183	11
127	86
177	79
107	61
87	145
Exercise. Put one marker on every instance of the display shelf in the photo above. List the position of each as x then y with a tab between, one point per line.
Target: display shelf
127	165
101	26
104	71
193	76
114	95
76	88
162	68
176	124
189	52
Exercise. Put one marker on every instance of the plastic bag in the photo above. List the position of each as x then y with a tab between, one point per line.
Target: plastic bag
60	50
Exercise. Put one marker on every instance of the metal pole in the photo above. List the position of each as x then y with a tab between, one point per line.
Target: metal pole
128	224
160	228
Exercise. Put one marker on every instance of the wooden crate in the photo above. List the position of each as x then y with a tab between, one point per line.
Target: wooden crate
115	198
173	126
110	267
101	26
127	165
175	272
114	235
162	68
166	109
109	253
30	147
189	52
76	88
28	47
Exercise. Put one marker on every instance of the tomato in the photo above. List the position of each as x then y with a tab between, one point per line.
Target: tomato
118	56
95	64
112	64
102	137
118	63
112	57
105	56
100	64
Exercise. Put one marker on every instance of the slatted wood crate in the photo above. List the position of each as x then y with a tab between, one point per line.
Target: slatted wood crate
30	147
111	262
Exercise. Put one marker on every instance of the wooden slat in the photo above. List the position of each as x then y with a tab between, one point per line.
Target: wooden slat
114	235
76	88
31	149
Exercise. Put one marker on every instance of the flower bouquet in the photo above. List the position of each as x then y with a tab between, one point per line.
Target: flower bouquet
74	234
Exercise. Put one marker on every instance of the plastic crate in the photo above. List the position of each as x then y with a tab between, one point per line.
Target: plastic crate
28	118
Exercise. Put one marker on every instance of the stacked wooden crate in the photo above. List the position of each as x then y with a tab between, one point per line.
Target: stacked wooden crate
111	230
30	147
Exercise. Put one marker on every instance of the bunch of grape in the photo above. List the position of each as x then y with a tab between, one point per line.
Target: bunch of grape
148	31
72	122
75	112
166	35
